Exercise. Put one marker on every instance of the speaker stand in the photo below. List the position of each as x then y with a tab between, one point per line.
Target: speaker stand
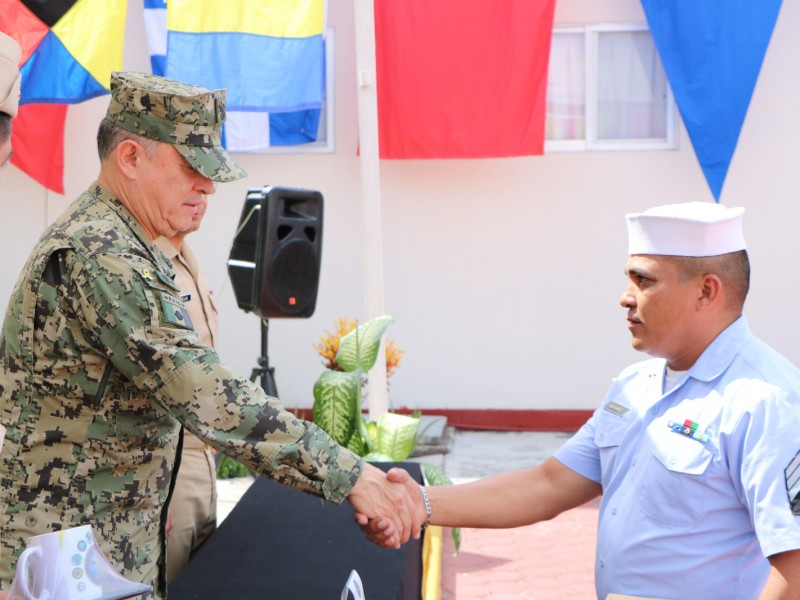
263	371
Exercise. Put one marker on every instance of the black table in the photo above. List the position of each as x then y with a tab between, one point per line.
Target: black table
281	544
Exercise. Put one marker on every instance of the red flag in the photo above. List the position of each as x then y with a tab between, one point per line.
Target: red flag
37	142
462	79
37	132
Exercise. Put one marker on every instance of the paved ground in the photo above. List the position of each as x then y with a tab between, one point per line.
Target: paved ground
547	561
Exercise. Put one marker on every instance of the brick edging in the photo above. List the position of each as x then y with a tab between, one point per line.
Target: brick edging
500	419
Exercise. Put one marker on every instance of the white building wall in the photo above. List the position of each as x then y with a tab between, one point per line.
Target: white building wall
503	274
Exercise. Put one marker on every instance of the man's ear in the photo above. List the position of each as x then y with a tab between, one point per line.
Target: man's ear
127	155
710	290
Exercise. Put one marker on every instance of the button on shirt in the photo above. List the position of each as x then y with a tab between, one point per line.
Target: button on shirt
694	488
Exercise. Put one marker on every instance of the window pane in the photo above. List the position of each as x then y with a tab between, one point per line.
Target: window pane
566	87
631	87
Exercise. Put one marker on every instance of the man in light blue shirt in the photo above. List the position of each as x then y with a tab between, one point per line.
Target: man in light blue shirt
696	452
694	490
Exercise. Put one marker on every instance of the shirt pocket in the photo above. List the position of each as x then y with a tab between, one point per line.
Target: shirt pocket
675	483
608	436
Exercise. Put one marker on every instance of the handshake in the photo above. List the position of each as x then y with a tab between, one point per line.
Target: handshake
389	507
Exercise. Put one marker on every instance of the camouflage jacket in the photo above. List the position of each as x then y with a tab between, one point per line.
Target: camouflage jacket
99	367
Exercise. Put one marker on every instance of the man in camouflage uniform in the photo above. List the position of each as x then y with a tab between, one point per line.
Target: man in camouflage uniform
100	365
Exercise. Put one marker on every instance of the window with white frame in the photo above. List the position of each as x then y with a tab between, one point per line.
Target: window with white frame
607	90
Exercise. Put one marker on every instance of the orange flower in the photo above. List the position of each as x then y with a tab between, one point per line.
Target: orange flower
329	346
393	356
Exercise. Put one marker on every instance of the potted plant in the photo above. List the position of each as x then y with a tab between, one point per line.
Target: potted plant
338	400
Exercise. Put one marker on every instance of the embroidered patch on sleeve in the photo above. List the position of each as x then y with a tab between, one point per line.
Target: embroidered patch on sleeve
792	473
175	311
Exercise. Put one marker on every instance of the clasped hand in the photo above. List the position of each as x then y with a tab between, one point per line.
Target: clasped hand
388	506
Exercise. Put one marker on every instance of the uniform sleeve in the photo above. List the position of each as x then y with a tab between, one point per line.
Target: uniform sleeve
765	446
580	453
134	316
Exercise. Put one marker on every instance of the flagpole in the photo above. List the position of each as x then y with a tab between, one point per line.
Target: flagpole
370	192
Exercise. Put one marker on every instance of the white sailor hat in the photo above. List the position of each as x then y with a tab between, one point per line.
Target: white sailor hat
688	229
10	54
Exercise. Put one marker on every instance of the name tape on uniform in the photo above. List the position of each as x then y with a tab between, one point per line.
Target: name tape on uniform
616	409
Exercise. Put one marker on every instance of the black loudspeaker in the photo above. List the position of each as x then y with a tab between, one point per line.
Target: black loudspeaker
275	259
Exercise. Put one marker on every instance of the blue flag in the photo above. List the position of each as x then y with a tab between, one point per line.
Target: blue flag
712	52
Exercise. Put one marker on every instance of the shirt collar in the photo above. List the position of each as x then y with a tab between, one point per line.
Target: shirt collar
719	354
167	247
136	228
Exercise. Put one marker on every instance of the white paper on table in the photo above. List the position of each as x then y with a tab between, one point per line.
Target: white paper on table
355	586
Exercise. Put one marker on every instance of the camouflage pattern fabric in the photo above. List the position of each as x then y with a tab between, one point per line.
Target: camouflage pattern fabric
187	116
98	370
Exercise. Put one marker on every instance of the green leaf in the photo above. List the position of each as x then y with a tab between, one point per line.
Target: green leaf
230	468
369	432
397	435
336	401
359	348
378	457
357	445
456	533
372	431
433	475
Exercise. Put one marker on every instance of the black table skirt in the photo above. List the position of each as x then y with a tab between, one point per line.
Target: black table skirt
281	544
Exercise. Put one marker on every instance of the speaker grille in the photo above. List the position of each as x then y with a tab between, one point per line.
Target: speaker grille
293	277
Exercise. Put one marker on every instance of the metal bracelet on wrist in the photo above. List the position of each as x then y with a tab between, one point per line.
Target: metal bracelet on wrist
427	508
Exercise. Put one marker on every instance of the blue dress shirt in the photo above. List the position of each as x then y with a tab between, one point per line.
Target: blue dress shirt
694	478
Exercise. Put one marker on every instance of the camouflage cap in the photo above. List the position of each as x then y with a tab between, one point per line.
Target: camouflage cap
187	116
10	79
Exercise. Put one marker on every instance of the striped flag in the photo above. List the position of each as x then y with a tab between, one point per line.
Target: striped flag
69	48
269	55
